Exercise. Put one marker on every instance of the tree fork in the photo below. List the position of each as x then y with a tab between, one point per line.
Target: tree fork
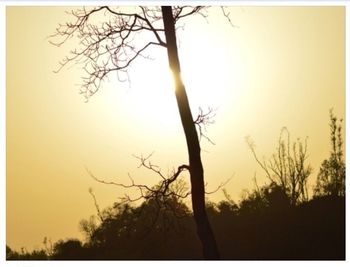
204	231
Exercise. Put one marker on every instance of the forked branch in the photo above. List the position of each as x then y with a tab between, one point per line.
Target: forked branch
202	121
108	44
170	186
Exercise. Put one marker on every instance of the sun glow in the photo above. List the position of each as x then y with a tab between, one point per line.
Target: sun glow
151	91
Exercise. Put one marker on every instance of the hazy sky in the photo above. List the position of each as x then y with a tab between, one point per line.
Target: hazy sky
278	66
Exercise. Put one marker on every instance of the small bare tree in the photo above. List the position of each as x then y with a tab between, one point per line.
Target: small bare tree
111	45
287	168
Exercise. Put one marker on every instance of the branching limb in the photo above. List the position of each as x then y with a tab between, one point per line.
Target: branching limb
99	214
159	192
202	121
262	164
170	186
185	11
287	167
107	46
220	186
226	13
113	43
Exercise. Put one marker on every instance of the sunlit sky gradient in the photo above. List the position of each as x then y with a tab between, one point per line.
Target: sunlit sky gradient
279	66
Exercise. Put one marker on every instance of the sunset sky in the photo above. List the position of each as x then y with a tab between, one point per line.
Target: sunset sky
276	67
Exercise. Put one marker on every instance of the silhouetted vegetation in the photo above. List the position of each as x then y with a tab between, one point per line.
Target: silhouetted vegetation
263	225
331	178
25	255
269	222
287	169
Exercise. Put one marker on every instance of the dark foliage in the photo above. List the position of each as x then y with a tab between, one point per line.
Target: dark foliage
331	177
25	255
262	226
71	249
154	230
267	227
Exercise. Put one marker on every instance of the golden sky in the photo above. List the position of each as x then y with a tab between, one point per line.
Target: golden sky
279	66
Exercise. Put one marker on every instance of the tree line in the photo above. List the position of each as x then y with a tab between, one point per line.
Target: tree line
275	221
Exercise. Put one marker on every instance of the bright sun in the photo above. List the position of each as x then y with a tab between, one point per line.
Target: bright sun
151	91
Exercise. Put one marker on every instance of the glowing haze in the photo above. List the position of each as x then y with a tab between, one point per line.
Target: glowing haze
278	66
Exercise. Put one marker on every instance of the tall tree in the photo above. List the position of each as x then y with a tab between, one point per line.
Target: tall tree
331	177
204	230
110	47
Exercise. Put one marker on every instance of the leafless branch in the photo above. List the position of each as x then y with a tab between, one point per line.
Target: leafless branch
202	121
287	167
262	164
96	205
185	11
169	187
226	13
109	45
163	190
220	186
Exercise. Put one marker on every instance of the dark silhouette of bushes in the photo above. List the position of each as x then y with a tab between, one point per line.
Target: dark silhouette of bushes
25	255
152	230
262	226
278	230
71	249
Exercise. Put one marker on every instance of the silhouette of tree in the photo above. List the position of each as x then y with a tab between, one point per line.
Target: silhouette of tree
111	46
152	230
228	205
331	177
71	249
287	169
88	227
269	197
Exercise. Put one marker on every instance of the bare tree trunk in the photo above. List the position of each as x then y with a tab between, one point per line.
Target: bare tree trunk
204	231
